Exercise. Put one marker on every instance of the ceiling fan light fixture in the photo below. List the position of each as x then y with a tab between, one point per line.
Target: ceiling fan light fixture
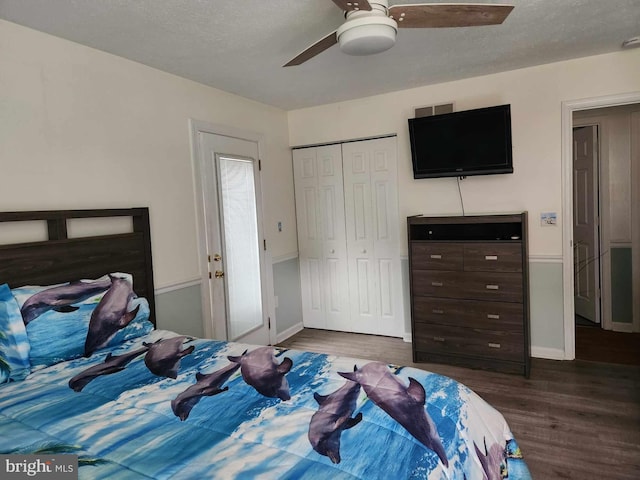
632	42
368	35
371	25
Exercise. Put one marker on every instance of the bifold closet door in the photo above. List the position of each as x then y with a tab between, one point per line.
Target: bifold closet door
371	214
321	237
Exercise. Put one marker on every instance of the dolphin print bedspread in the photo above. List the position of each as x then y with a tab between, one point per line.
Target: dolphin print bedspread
169	406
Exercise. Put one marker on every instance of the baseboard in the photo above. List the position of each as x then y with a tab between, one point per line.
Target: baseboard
407	337
622	327
548	353
289	332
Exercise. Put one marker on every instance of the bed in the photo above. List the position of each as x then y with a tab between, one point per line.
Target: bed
86	373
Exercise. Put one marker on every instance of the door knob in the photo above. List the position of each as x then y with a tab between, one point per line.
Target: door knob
219	274
217	257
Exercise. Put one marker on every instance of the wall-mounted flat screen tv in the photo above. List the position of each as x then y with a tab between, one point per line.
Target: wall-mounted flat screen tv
459	144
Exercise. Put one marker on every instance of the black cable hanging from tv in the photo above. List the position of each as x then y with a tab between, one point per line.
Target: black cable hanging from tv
460	193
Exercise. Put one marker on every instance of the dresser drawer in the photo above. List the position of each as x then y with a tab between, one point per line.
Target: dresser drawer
436	256
501	345
496	286
493	257
469	313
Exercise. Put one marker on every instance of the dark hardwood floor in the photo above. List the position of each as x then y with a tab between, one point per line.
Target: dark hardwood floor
575	420
595	344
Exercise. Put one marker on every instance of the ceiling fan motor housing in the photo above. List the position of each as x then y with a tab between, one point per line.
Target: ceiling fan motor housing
367	32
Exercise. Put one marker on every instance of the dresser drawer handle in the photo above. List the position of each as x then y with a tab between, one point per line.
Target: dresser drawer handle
491	257
438	339
493	345
493	287
436	284
493	316
437	311
435	256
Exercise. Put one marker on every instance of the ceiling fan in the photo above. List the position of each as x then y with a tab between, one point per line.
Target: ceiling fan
371	25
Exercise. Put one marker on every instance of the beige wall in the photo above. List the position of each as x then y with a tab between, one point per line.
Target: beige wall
80	128
535	95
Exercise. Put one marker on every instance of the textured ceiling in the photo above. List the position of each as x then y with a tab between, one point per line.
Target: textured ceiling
240	45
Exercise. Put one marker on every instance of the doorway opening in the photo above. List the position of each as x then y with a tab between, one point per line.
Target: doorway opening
236	282
586	224
605	195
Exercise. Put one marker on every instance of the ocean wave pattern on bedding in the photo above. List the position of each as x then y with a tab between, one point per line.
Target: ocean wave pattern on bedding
122	424
14	343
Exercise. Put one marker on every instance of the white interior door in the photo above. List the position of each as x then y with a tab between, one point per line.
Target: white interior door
334	246
585	227
234	238
321	237
305	171
372	229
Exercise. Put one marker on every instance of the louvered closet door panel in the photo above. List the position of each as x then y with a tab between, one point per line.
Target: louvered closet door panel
371	215
334	247
308	216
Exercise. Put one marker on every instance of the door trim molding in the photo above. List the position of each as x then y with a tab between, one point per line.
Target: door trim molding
340	142
195	128
567	109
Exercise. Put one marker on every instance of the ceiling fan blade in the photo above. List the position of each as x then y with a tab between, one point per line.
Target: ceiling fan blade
441	15
348	5
318	47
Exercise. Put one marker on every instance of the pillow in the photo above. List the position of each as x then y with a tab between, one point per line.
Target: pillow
14	344
69	320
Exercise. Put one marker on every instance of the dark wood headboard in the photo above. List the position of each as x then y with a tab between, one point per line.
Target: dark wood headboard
61	259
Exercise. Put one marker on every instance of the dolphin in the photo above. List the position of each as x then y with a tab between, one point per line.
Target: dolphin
404	404
110	315
493	461
62	297
260	370
163	357
207	385
333	416
111	364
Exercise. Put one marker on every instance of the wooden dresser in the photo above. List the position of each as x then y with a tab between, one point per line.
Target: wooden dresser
470	291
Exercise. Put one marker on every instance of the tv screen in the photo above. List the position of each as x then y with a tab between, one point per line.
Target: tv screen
470	142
